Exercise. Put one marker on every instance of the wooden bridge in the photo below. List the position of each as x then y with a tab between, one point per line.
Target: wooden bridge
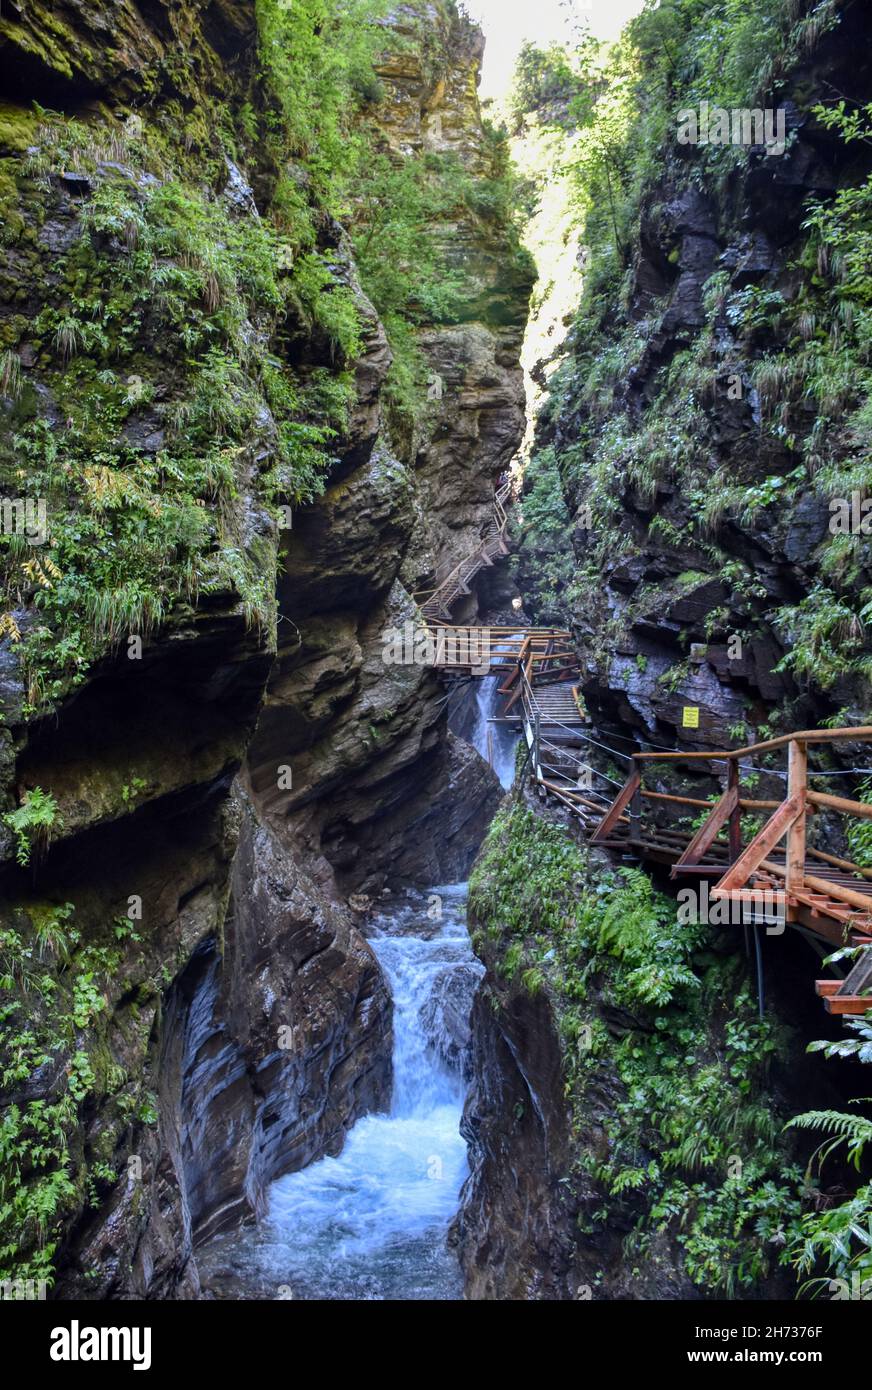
828	895
541	700
539	668
539	664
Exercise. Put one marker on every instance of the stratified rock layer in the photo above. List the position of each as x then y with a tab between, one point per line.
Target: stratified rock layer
241	782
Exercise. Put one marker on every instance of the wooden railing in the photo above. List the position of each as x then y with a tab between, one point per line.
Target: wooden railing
506	646
827	892
456	581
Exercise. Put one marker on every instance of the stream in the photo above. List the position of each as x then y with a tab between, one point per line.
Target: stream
372	1222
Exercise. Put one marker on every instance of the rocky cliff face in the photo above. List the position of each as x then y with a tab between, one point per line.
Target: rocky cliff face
209	1013
475	380
702	429
690	449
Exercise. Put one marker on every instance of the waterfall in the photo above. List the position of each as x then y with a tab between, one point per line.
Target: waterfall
496	743
372	1222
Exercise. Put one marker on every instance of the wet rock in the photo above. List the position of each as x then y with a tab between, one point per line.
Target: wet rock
144	755
514	1230
145	431
238	191
58	234
77	185
282	1049
809	525
445	1017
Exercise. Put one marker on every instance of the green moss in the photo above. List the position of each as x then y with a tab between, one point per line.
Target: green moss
807	352
52	41
17	128
136	535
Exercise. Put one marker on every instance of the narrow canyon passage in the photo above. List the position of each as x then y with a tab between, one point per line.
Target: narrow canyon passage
435	607
372	1222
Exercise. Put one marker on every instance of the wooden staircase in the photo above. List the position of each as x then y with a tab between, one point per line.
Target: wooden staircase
437	603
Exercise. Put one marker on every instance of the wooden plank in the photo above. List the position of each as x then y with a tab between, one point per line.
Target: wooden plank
735	831
863	733
839	891
766	839
516	694
651	849
859	978
617	808
678	800
582	800
833	876
505	633
713	869
744	802
709	830
848	1004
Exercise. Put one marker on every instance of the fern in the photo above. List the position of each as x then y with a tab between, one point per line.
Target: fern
829	1235
853	1130
859	1047
31	822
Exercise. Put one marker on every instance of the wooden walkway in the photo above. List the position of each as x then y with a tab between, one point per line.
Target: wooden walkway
436	603
540	685
755	870
459	648
829	896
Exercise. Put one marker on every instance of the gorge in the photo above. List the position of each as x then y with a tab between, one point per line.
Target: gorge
273	346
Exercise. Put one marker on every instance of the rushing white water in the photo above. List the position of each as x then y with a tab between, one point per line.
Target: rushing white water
372	1223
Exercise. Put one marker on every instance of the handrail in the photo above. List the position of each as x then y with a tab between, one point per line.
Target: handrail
470	565
710	805
839	901
862	732
840	803
538	633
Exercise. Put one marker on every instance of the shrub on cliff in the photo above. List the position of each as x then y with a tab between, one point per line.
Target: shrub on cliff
645	1007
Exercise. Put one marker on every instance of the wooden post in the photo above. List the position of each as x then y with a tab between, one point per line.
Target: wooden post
536	768
797	786
735	824
708	832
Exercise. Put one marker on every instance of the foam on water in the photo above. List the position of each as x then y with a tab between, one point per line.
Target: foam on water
372	1222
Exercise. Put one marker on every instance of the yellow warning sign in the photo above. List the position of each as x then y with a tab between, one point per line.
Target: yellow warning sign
691	717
